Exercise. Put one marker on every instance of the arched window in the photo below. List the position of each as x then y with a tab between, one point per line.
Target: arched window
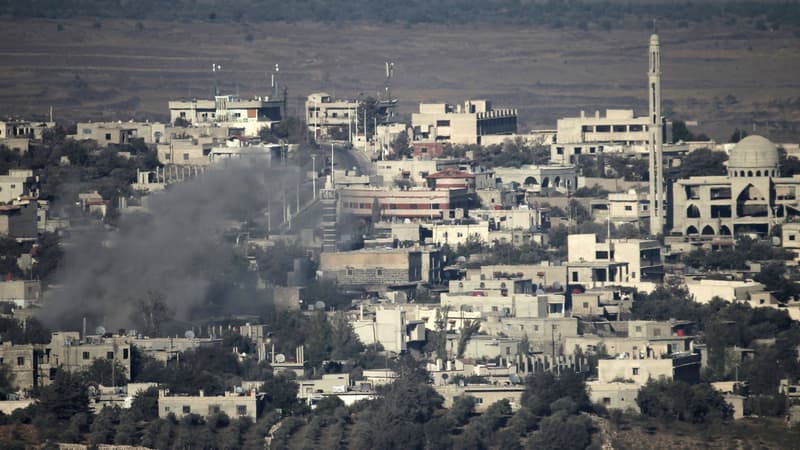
724	231
758	173
691	230
693	212
708	231
749	173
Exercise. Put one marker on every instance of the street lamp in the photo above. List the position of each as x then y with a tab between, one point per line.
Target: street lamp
314	176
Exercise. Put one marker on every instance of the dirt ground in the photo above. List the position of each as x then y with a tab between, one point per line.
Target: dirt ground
724	77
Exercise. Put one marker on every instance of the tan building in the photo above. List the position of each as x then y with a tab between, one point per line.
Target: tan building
618	131
23	361
683	367
623	207
17	183
485	395
234	405
382	267
751	198
442	122
540	179
642	258
390	328
117	133
10	129
327	117
67	351
22	293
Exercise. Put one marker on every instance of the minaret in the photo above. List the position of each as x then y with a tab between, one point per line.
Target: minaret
656	140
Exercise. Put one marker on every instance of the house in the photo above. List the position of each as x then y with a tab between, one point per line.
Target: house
20	220
17	183
233	404
389	327
642	257
703	290
678	366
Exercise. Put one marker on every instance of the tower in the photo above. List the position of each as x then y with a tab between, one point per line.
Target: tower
656	139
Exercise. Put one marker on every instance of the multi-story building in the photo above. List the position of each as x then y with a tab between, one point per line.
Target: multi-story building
13	128
442	122
642	258
540	179
383	267
751	198
622	207
414	203
330	118
17	183
22	293
242	116
619	130
19	220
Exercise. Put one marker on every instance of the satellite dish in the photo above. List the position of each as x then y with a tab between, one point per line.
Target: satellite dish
319	305
100	330
539	292
557	285
280	358
189	334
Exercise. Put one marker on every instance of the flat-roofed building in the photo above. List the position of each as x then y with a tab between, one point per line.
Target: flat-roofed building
592	135
414	203
443	122
243	116
383	267
233	404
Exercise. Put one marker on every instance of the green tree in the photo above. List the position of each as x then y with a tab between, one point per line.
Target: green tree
702	162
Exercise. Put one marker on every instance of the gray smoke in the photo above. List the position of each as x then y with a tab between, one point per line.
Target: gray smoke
173	251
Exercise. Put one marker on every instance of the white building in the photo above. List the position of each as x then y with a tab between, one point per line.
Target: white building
442	122
242	116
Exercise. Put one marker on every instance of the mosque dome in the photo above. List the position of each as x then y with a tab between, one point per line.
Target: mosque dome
754	152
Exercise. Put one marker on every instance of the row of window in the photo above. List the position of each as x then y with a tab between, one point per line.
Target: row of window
614	128
355	205
241	410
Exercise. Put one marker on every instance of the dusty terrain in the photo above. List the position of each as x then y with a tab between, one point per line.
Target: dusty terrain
725	77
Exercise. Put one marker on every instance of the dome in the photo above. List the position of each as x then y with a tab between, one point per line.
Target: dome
754	152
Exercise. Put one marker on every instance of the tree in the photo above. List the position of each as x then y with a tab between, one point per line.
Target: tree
400	146
562	432
680	132
702	162
544	388
668	399
6	381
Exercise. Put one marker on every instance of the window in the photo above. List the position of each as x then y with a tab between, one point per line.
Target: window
791	237
585	305
635	128
633	274
213	409
587	128
87	131
606	400
241	410
85	355
108	136
349	272
186	409
20	360
636	371
185	156
559	150
620	128
183	114
442	123
575	276
379	272
536	328
110	355
602	128
124	353
166	409
638	329
657	332
628	208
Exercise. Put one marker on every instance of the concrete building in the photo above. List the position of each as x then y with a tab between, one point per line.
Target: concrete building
67	351
614	395
415	203
390	328
186	152
16	128
643	258
20	220
233	404
327	117
622	207
591	135
751	198
790	238
485	395
442	122
383	267
683	367
244	117
540	179
23	362
17	183
22	293
704	290
118	133
482	348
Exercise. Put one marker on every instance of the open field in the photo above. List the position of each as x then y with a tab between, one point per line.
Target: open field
725	77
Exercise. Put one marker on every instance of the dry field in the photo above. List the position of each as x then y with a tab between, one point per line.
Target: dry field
725	77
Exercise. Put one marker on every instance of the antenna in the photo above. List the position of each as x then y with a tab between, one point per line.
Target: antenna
275	81
389	74
214	69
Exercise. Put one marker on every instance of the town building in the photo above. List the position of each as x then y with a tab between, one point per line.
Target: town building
485	395
327	117
413	203
23	129
389	327
380	268
642	259
22	293
442	122
17	183
540	179
245	117
19	220
618	130
678	366
233	404
119	133
751	198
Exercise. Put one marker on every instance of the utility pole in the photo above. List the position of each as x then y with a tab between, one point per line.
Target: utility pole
314	176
